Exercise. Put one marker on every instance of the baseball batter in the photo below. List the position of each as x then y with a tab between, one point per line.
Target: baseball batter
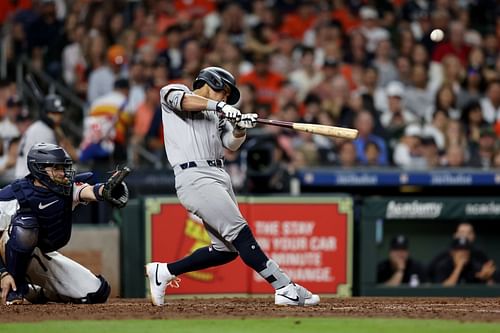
198	125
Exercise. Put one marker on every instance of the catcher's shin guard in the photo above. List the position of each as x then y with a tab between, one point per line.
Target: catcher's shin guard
99	296
19	248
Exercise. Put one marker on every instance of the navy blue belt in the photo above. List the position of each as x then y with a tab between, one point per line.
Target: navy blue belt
193	164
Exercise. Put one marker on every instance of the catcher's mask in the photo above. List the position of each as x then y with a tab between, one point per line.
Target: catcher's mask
43	155
217	78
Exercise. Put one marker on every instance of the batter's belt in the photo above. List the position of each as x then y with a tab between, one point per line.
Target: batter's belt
218	163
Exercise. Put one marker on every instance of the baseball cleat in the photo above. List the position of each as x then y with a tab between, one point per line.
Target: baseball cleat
159	278
294	294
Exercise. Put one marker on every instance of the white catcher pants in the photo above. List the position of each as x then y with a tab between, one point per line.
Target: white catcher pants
60	277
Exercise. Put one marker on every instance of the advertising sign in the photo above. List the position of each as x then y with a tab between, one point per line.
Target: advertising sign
310	238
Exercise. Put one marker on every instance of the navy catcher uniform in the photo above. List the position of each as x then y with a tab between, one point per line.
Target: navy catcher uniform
35	221
198	125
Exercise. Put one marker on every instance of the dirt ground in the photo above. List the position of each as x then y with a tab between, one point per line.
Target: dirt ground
462	309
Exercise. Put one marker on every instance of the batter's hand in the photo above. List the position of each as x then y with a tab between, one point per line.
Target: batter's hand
230	113
248	120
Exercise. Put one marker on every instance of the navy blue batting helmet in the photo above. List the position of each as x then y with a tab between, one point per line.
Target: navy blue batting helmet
43	155
217	78
53	103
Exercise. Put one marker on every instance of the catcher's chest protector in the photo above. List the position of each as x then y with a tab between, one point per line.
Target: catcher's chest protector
54	213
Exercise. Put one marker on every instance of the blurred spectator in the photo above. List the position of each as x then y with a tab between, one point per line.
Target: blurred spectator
330	70
430	152
298	22
143	119
400	268
172	55
266	82
153	140
374	96
347	155
481	154
364	123
307	76
10	135
454	44
137	80
408	151
418	97
437	128
396	117
384	63
473	121
73	59
372	153
105	127
102	78
454	157
47	129
455	136
370	28
46	38
445	100
490	103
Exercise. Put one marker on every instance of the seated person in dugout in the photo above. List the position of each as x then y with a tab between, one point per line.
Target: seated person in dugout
400	268
488	273
460	264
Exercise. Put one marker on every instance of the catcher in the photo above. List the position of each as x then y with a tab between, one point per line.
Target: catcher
35	221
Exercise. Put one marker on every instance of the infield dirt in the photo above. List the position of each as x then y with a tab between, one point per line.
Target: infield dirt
462	309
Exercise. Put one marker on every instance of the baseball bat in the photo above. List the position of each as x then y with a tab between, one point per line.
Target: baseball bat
35	88
334	131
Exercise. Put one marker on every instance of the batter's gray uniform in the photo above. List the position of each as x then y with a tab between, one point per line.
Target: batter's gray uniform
194	144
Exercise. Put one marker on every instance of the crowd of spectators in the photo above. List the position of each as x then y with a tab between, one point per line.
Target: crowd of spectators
371	65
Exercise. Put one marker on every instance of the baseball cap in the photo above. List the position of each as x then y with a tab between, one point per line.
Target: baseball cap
395	89
121	83
487	131
399	242
460	243
413	130
367	13
14	100
330	62
116	54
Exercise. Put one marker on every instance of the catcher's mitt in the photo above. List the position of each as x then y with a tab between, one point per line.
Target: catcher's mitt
115	191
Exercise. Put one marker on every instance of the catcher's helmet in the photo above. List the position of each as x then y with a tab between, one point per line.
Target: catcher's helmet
43	155
217	78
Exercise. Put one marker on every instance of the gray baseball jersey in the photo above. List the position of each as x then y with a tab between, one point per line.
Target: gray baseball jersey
204	190
191	136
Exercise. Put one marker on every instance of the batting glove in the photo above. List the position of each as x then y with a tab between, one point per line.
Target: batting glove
230	113
248	120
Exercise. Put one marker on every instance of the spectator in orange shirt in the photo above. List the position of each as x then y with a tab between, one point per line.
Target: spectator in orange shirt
298	22
266	82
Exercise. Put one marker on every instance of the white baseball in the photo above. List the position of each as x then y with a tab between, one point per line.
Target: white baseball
437	35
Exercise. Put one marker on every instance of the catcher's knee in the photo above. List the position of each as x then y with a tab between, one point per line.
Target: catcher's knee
23	233
99	296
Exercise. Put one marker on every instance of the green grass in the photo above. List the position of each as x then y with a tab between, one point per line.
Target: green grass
299	325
